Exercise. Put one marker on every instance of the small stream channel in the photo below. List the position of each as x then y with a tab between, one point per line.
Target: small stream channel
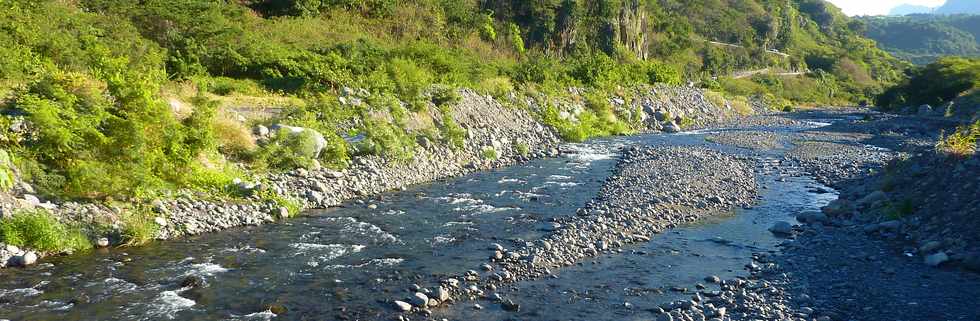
344	263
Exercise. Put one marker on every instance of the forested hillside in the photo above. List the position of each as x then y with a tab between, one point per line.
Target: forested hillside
922	38
126	98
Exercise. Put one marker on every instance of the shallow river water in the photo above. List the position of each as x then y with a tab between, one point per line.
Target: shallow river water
346	262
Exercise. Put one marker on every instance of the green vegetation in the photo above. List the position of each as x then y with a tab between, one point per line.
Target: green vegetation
961	143
138	226
923	38
935	83
7	177
128	99
39	230
899	209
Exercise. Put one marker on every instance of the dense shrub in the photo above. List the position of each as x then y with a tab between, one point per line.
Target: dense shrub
935	83
39	230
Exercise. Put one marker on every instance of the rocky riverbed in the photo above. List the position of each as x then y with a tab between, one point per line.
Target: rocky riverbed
709	225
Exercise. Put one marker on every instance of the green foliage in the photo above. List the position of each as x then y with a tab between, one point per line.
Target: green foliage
409	80
39	230
293	207
516	40
452	133
924	38
7	177
445	96
935	83
287	150
386	139
487	30
900	209
138	226
88	74
489	153
962	143
522	149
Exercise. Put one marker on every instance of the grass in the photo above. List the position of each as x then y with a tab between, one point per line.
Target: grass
522	149
138	227
489	153
900	209
291	205
41	231
962	143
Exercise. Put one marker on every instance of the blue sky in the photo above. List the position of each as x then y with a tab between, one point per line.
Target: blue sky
878	7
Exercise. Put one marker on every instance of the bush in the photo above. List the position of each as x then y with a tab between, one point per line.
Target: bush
934	84
961	143
522	149
287	150
292	206
233	137
489	153
138	226
7	177
452	133
39	230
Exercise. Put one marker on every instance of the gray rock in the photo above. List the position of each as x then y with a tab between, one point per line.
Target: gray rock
26	259
282	212
261	131
672	127
318	141
31	200
936	259
102	242
160	221
812	218
781	228
930	246
442	294
873	198
420	299
403	306
892	226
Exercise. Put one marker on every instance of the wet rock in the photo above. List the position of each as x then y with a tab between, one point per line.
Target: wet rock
420	299
936	259
403	306
102	242
781	228
24	260
509	305
442	294
930	246
277	308
811	218
872	199
713	279
192	281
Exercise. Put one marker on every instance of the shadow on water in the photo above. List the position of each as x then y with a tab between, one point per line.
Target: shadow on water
345	262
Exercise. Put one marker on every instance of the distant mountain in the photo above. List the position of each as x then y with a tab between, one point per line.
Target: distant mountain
921	38
906	9
959	6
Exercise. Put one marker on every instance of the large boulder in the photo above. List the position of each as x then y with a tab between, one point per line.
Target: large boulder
319	142
672	127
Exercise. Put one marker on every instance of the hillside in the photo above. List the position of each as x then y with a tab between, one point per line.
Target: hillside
132	99
959	7
921	38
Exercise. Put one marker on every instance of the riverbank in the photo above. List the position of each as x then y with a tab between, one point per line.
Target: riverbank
862	260
513	135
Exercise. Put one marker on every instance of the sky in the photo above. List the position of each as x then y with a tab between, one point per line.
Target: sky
879	7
